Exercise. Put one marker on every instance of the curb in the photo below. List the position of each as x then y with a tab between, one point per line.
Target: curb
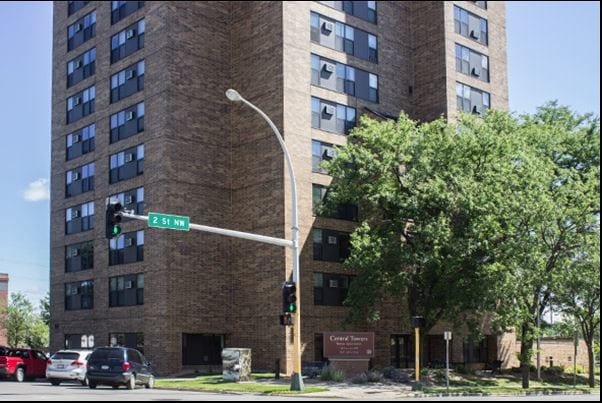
519	394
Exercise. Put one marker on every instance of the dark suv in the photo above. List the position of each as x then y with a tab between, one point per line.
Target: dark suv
119	366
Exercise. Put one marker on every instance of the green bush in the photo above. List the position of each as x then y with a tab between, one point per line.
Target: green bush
554	371
461	369
375	376
360	378
330	374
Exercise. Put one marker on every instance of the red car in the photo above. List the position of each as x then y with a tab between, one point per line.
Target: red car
22	364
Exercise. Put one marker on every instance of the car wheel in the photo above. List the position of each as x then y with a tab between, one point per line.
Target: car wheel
92	385
85	382
132	383
151	382
20	374
55	382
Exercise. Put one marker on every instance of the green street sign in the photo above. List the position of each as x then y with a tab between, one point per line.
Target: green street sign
168	221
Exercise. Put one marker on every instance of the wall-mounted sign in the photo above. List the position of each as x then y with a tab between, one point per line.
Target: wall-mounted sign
348	345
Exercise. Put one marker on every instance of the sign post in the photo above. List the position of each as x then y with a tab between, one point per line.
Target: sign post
417	323
448	337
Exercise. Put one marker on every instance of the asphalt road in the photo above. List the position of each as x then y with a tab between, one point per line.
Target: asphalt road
42	391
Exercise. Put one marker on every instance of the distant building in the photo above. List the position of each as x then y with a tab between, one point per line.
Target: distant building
3	304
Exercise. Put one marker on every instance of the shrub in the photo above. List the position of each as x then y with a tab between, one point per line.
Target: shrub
375	376
312	372
330	374
554	371
461	369
396	375
360	378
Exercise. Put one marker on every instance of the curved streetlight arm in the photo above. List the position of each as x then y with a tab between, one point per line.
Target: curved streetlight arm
291	171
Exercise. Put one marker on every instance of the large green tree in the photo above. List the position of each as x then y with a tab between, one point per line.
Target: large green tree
551	211
17	320
429	226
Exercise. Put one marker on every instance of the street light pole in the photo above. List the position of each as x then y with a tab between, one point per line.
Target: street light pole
297	379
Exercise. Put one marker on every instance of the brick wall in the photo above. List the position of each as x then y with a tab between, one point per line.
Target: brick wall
3	304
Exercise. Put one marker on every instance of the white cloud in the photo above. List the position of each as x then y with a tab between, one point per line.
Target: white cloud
37	191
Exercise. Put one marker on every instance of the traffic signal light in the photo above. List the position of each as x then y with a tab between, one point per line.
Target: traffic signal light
113	218
289	298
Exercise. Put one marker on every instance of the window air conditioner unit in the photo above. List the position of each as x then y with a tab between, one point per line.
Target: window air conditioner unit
128	199
329	110
129	74
129	242
130	33
77	64
333	283
75	252
129	115
332	240
76	138
75	176
476	72
129	157
78	27
328	26
329	153
77	101
129	284
75	213
329	68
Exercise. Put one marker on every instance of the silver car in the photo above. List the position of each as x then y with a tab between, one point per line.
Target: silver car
68	365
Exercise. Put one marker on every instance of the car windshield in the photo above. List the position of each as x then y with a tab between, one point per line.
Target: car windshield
106	354
65	356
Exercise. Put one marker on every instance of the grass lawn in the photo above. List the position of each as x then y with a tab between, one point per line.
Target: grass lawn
215	383
509	384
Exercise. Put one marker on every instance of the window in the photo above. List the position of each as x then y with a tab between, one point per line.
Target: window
129	340
127	164
345	38
75	6
127	41
127	122
80	142
321	152
79	180
471	100
475	351
121	9
332	117
127	248
81	67
330	246
81	104
81	31
472	63
79	218
127	82
470	25
79	256
79	295
126	290
331	289
343	211
343	78
131	200
366	10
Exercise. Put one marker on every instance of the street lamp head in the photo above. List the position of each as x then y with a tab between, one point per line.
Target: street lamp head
233	95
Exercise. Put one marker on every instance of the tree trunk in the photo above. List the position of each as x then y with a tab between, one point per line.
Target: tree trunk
526	349
591	364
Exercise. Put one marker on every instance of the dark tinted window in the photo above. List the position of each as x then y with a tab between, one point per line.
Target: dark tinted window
65	356
4	351
106	354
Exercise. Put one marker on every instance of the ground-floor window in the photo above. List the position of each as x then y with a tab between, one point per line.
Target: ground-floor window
129	340
202	349
401	351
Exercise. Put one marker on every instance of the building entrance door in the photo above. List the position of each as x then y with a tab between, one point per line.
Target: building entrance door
401	351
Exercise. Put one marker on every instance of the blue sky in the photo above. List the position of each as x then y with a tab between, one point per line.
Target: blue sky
553	53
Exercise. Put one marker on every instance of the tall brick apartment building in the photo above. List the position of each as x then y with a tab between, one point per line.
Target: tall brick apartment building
3	304
139	112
